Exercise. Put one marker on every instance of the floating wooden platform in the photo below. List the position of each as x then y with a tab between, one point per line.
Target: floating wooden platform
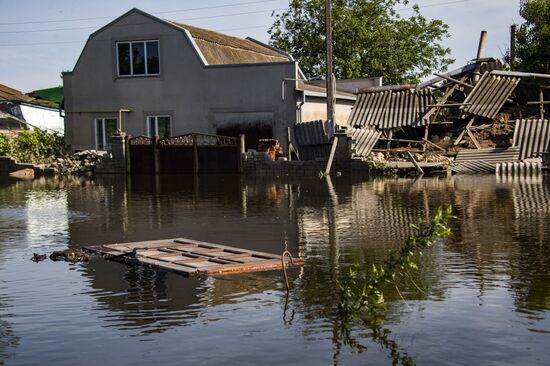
193	258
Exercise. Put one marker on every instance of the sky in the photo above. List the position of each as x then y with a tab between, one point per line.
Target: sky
49	35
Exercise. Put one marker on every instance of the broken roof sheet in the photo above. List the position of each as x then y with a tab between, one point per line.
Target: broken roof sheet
532	136
311	139
363	139
221	49
391	108
489	94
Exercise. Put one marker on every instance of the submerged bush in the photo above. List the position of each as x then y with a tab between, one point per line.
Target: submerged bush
37	146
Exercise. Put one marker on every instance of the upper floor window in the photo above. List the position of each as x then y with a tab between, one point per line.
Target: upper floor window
138	58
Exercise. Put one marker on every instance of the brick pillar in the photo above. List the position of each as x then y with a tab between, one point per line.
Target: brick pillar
118	149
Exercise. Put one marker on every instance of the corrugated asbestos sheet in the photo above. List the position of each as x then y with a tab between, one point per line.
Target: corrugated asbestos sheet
311	140
473	167
489	95
390	109
492	155
364	139
532	136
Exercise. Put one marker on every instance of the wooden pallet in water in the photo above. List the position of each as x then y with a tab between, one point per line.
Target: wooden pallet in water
193	258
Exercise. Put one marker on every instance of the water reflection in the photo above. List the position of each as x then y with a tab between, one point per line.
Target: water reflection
497	258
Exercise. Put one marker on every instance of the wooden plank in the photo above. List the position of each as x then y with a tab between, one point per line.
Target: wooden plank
415	163
331	156
190	257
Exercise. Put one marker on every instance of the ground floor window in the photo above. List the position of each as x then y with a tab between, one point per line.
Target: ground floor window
105	128
159	126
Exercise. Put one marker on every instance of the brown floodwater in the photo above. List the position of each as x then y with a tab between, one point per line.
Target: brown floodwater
481	296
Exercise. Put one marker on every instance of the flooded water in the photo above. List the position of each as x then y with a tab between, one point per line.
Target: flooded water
481	296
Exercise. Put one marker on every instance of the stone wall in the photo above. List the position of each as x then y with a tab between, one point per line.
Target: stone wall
10	167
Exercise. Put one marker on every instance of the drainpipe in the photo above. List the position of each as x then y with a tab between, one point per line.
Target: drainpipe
120	111
283	86
299	108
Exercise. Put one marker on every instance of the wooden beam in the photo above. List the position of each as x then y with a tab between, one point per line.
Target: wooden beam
454	80
434	145
448	105
331	157
459	138
415	163
474	140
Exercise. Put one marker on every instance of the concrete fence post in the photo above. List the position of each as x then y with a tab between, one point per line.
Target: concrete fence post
118	149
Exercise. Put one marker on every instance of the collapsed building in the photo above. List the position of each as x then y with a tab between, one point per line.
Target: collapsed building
477	118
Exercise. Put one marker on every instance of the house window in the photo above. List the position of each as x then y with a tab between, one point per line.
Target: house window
105	128
138	58
159	126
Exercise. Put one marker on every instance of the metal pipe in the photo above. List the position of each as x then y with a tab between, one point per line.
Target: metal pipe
481	46
120	111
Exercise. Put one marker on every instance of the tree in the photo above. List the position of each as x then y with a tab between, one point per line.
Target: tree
369	39
533	37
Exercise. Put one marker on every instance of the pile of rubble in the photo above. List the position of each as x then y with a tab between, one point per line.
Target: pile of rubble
80	163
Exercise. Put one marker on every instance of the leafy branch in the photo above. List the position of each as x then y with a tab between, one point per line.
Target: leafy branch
360	291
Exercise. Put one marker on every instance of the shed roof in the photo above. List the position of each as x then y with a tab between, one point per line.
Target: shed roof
221	49
8	94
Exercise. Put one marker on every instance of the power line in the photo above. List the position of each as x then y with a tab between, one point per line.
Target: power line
82	41
158	12
187	19
435	4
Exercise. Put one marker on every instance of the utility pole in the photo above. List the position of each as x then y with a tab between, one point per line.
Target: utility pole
512	46
329	75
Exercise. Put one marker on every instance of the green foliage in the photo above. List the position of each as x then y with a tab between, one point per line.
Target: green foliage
533	37
37	146
360	290
369	39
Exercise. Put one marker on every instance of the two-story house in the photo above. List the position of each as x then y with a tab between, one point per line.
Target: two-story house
177	79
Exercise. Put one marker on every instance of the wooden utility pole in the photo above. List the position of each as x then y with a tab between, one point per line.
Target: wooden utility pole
512	46
329	75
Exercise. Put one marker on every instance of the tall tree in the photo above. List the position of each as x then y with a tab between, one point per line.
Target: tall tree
533	37
370	39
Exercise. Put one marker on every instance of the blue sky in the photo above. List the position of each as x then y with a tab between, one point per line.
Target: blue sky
32	55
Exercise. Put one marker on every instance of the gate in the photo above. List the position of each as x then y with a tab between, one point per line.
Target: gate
192	153
142	155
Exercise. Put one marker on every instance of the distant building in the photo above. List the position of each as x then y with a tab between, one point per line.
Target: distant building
22	111
178	79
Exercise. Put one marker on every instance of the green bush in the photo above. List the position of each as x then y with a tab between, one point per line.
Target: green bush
37	146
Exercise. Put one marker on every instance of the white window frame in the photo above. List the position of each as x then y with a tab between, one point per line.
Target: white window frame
132	59
156	117
102	119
